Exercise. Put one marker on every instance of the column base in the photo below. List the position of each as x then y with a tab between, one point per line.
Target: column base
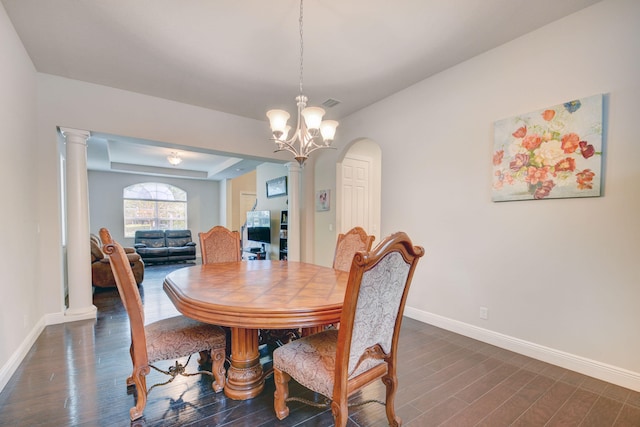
83	313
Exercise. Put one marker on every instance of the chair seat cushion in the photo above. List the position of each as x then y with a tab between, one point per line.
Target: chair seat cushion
310	360
181	336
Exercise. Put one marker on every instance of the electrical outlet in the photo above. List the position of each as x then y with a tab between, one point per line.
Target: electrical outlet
484	313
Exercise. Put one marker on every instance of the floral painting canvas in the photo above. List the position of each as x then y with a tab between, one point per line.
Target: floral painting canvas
552	153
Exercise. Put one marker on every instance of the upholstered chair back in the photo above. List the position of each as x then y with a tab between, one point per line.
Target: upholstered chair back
220	245
377	308
348	244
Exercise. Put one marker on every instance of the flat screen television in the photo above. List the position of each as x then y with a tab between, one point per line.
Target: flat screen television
259	226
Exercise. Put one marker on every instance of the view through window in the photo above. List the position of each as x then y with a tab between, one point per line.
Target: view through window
154	206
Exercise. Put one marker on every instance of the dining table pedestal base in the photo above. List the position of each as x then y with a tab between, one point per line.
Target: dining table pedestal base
245	378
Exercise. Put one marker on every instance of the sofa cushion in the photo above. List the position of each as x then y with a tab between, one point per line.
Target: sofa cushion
149	239
182	250
177	238
153	252
133	257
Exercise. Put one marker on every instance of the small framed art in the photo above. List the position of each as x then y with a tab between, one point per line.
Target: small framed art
323	199
277	187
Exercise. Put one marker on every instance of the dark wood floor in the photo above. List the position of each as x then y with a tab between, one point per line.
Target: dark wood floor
75	376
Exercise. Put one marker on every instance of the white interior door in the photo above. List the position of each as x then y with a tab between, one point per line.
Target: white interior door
356	196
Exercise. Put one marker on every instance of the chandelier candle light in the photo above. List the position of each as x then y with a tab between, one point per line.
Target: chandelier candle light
311	133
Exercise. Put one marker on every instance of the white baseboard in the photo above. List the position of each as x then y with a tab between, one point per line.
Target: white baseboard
592	368
66	317
9	368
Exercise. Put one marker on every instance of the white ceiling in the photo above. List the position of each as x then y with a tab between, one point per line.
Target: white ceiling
106	152
242	56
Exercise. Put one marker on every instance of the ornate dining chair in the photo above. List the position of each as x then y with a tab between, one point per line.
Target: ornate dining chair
348	244
165	339
337	363
220	245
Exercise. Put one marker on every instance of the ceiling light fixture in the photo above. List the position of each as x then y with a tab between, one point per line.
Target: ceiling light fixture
312	133
174	158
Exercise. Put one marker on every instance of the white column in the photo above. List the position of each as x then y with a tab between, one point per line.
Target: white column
293	227
78	253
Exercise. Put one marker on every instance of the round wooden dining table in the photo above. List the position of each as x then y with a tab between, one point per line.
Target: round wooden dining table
251	295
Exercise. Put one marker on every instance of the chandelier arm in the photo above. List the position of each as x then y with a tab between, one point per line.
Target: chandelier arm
282	145
318	147
287	148
310	147
323	147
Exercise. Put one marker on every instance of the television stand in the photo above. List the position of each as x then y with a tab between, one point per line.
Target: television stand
256	253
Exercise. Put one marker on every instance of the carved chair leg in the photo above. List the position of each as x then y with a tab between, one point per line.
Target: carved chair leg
281	380
130	381
217	368
391	382
140	381
340	412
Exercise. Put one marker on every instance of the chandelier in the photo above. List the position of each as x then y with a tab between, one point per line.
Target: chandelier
311	133
174	158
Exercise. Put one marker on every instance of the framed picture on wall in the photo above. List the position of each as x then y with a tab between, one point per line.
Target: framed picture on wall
277	187
552	153
323	199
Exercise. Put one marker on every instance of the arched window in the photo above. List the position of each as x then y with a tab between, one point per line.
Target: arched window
154	206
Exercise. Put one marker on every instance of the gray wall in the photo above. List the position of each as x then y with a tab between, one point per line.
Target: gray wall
105	202
20	257
560	277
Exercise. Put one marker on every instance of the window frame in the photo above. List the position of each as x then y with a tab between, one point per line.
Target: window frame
161	197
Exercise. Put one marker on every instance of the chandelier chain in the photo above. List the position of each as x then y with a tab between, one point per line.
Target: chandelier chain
301	48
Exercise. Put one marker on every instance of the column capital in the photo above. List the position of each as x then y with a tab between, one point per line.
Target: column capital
75	134
293	167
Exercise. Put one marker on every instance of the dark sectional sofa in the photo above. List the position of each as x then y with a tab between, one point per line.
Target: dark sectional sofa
156	246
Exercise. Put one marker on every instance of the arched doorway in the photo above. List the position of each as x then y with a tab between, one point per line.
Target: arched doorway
358	188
